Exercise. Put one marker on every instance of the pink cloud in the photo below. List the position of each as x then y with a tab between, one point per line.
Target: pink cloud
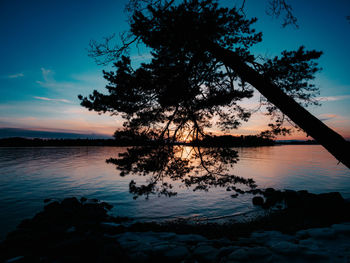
48	99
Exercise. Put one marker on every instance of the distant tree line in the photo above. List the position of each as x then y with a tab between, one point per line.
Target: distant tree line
24	142
298	142
228	140
124	138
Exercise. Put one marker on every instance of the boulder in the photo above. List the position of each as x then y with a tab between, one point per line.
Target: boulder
206	253
273	197
177	253
258	200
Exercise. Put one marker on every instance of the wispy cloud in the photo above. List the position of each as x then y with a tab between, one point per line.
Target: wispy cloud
50	82
15	76
327	116
12	76
49	99
46	74
72	85
334	98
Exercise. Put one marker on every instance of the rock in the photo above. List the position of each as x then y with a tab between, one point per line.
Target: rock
106	205
269	191
15	259
291	198
312	202
279	258
167	235
255	191
303	192
309	244
239	255
130	244
138	239
224	251
110	227
111	252
332	201
190	238
258	252
272	197
221	242
251	254
258	200
53	206
70	203
177	253
128	239
343	229
138	256
321	233
110	224
160	248
286	248
71	229
288	191
315	209
206	253
302	234
244	241
270	237
149	239
317	256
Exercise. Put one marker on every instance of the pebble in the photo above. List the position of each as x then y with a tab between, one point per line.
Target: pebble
330	244
206	253
285	247
321	233
161	248
177	253
342	229
15	259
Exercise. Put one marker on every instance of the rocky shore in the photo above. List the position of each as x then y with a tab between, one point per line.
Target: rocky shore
304	228
330	244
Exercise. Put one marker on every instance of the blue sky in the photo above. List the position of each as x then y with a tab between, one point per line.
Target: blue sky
44	62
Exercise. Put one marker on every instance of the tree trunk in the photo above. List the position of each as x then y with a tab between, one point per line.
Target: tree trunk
324	135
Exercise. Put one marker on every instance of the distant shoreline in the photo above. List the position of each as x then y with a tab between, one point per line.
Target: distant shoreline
296	142
38	142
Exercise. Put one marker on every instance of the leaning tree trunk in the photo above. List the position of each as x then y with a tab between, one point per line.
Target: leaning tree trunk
324	135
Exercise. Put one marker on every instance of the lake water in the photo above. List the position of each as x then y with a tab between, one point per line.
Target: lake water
29	175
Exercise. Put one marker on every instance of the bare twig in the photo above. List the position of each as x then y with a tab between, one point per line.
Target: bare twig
277	7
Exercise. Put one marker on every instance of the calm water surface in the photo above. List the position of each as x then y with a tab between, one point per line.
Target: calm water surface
29	175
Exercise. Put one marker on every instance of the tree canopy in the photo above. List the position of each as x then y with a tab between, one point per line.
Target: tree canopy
186	88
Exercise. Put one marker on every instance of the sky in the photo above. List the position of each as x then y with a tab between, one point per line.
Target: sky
45	64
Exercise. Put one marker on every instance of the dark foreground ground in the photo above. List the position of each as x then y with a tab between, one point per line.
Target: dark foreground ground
306	228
